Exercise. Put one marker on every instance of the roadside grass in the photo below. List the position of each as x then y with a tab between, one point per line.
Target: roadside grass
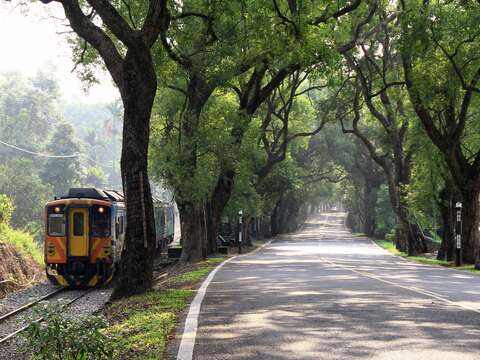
140	325
387	245
199	274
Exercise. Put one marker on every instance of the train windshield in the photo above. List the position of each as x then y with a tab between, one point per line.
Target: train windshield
56	221
100	221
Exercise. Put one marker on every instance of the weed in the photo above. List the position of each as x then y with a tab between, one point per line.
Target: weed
59	337
143	322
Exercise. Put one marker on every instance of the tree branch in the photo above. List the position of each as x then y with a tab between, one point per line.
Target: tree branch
95	36
156	21
285	20
336	14
114	21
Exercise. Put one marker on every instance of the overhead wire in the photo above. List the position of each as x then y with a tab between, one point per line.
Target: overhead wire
74	155
40	154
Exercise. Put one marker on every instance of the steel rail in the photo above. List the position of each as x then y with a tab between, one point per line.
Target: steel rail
29	305
23	328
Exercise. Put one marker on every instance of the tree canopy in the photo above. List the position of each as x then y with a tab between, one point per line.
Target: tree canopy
278	108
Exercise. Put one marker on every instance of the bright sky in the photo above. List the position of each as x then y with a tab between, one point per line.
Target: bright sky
29	41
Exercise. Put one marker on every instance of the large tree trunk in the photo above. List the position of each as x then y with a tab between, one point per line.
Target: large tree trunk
447	210
274	219
463	168
247	240
369	201
214	218
225	182
136	265
470	217
191	205
402	234
262	228
193	231
217	203
408	239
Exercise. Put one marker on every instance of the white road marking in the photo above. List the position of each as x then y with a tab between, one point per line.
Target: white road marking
410	288
185	351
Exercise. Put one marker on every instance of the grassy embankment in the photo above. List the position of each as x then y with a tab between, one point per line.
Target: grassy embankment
141	325
387	245
23	242
21	260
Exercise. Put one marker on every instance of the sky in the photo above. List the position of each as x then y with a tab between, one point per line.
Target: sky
31	40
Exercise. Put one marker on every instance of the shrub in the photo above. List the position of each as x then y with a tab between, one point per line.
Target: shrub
23	241
6	209
59	337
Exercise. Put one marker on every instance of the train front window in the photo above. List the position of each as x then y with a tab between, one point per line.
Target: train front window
56	224
100	221
78	224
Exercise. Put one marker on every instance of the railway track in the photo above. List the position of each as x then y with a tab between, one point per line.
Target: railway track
25	307
29	305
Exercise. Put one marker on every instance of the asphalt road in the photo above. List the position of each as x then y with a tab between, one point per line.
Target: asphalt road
325	294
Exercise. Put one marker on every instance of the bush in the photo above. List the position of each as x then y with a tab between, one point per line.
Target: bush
390	236
60	337
23	241
6	209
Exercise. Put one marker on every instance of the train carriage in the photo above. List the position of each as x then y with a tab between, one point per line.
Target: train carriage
85	233
164	223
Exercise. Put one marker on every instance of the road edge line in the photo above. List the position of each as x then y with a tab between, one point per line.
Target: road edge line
414	289
185	350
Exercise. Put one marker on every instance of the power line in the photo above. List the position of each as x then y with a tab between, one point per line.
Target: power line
75	155
40	154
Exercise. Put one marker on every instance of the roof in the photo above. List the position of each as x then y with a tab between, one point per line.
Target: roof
93	193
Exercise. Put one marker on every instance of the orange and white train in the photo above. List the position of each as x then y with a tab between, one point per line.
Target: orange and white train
85	233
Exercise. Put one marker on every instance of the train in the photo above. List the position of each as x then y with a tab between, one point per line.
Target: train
85	234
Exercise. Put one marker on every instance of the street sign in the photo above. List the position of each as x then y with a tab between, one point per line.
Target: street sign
458	234
240	216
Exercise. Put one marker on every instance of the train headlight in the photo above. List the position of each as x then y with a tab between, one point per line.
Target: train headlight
101	210
57	209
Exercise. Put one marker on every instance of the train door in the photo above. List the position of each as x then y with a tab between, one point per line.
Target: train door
78	244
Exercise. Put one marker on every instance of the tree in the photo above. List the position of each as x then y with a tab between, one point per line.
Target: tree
28	193
365	177
27	112
62	173
92	141
441	65
375	65
258	45
203	35
95	177
123	35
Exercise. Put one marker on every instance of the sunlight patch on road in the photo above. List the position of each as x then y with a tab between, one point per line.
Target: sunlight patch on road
323	248
425	354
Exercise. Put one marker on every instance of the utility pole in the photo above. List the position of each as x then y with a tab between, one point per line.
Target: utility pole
240	215
458	234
